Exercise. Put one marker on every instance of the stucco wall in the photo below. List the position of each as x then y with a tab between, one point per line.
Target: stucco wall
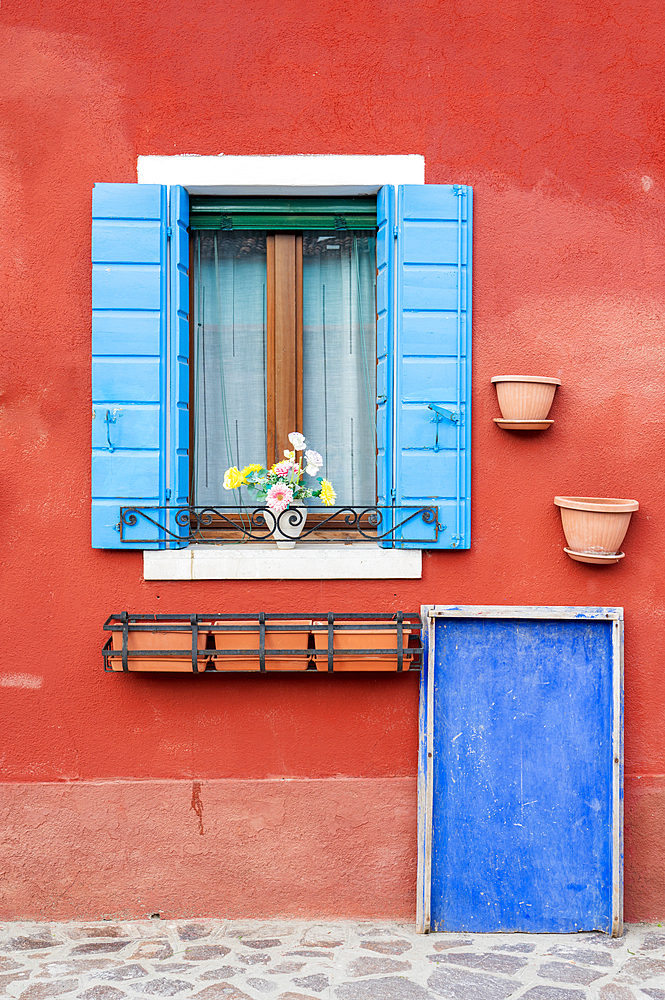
554	113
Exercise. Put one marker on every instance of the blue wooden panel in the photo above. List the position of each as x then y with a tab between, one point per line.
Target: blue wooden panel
129	300
432	355
432	379
419	429
126	242
127	474
432	201
128	201
430	288
126	380
106	528
432	242
129	427
524	759
431	334
436	470
126	333
127	286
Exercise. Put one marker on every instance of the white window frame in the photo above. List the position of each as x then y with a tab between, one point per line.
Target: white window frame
301	175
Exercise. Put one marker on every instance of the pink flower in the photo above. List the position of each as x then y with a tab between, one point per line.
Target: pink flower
278	498
283	468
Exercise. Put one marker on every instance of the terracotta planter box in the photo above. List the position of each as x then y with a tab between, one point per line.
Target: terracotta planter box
361	639
156	641
247	637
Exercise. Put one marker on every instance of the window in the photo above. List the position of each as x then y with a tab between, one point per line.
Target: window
283	338
141	354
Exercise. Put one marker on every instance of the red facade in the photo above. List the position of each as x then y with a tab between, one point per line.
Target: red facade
553	114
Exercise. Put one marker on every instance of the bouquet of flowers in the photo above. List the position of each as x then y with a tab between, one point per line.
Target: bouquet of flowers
283	484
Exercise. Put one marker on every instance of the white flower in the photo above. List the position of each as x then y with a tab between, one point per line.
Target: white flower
297	440
312	470
313	458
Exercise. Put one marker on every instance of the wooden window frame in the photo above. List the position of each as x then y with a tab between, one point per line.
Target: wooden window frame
284	366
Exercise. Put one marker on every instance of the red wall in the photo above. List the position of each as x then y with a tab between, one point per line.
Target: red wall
554	113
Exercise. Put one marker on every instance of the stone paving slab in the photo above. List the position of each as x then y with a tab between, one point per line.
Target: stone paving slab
291	960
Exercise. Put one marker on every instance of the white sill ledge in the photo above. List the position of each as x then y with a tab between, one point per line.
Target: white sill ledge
359	561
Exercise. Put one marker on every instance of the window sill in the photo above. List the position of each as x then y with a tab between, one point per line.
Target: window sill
267	562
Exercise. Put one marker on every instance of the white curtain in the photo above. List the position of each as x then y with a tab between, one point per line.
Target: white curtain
339	359
230	359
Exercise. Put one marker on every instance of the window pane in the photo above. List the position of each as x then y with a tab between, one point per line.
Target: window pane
229	359
339	359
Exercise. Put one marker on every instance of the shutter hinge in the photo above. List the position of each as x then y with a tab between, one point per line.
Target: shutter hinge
340	222
381	399
393	493
168	494
456	539
110	418
458	189
395	231
443	411
169	232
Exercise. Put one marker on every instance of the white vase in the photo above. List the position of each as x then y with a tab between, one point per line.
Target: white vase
288	525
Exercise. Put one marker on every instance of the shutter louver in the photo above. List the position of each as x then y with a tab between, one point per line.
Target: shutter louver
128	345
432	362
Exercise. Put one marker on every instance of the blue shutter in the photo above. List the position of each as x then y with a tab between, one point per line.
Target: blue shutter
178	471
129	288
140	376
432	363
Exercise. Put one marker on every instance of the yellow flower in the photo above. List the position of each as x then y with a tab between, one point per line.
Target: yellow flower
248	469
233	478
328	495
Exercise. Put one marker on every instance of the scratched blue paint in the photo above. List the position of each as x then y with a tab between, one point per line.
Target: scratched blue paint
522	765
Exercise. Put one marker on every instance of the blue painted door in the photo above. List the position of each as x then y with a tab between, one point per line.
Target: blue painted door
524	720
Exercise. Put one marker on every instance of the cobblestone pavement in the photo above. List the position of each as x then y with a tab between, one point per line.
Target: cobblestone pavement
252	960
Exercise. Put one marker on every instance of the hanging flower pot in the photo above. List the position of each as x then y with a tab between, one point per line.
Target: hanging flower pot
595	527
524	401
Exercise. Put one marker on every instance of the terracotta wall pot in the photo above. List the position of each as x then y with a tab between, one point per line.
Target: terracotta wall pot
157	641
249	639
360	639
525	397
595	526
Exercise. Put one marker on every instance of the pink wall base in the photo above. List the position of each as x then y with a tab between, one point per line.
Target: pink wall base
644	830
294	847
337	847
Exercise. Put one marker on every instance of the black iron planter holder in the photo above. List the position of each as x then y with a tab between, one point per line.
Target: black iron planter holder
375	523
264	623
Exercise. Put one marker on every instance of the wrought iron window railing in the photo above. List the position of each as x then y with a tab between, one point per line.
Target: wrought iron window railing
219	523
262	642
